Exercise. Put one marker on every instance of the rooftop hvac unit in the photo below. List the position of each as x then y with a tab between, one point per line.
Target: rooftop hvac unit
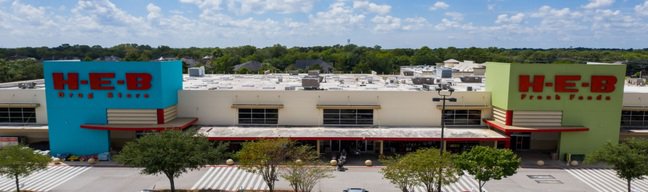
469	79
422	80
314	73
196	71
444	73
310	83
469	88
29	85
426	87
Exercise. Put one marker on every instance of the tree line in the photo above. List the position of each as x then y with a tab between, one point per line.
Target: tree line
344	58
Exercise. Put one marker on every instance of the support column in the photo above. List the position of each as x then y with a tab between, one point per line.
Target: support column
317	143
445	143
382	147
495	144
507	143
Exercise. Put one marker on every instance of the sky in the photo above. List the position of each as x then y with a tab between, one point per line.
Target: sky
389	24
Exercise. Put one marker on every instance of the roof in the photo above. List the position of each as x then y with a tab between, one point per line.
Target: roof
250	65
515	129
451	61
351	133
331	82
178	123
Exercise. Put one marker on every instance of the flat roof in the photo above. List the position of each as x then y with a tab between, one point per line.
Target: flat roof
517	129
178	123
350	133
330	82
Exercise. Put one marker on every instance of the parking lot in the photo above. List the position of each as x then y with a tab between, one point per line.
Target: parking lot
108	179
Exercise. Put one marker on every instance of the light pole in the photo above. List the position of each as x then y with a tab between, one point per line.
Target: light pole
445	91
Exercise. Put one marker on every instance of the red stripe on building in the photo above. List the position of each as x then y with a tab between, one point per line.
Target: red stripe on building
509	117
160	116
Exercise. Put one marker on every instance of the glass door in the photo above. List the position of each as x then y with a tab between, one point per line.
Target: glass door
520	141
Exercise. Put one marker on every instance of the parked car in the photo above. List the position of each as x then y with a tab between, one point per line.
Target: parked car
355	190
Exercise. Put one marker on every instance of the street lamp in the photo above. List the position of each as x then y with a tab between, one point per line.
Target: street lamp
444	91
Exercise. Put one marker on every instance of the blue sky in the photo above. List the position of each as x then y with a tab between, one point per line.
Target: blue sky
390	24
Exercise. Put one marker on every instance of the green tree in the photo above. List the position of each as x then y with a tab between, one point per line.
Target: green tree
629	159
19	161
486	163
429	167
171	153
304	173
398	173
265	156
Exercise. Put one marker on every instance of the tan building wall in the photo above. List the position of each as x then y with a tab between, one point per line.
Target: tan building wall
27	96
397	108
635	99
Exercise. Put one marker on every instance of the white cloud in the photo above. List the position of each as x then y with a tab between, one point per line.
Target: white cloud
207	7
595	4
372	7
506	19
338	17
414	23
386	23
454	22
454	15
262	6
153	11
31	14
642	9
439	5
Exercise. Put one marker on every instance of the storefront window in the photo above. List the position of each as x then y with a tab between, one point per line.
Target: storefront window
258	116
462	117
17	115
348	116
634	119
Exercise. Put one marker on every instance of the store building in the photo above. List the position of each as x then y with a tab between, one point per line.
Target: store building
94	107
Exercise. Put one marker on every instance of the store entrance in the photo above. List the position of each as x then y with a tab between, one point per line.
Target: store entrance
520	141
356	148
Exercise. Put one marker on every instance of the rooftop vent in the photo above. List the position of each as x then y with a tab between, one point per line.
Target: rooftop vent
29	85
422	80
470	79
196	71
311	83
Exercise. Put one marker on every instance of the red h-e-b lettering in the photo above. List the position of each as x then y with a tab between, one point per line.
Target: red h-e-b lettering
603	84
98	81
138	81
60	82
525	83
564	83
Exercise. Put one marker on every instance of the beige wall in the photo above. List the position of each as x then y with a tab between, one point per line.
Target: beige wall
635	99
27	96
398	108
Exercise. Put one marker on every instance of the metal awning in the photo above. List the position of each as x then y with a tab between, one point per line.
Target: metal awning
16	105
23	128
178	123
258	106
331	106
459	107
516	129
351	133
635	108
